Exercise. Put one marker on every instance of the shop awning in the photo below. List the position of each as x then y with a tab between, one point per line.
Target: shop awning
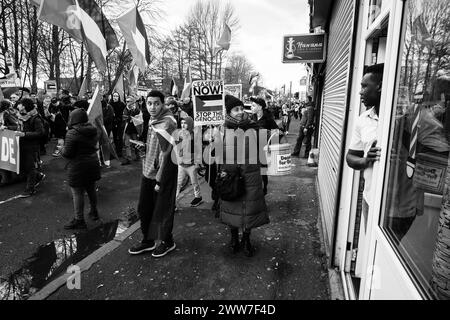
320	12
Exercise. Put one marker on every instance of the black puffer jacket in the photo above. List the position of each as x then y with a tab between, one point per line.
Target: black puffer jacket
80	148
248	211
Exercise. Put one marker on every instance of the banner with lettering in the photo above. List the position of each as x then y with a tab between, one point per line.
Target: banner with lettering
209	103
9	151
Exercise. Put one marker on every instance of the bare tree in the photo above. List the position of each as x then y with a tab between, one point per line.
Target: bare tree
238	69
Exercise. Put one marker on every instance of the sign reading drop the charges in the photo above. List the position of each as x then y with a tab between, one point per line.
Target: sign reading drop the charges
209	104
9	151
304	48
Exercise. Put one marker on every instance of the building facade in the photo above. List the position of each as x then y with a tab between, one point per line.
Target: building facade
400	249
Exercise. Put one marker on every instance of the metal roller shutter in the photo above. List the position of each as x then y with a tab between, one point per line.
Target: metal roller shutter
334	108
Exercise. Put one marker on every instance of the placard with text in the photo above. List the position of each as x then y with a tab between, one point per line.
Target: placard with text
209	103
9	151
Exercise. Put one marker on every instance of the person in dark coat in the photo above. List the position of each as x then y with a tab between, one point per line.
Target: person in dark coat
57	124
306	130
65	105
108	116
188	107
31	133
264	120
118	107
249	210
7	120
83	168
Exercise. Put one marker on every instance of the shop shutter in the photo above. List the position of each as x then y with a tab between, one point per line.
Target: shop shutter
334	108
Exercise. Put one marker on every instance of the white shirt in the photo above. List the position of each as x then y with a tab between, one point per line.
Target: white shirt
364	134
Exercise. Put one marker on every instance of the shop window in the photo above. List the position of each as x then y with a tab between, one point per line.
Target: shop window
416	214
375	7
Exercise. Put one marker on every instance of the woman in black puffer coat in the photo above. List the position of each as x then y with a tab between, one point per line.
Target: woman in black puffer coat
249	210
83	166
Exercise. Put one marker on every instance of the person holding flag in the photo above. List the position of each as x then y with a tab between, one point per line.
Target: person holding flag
156	205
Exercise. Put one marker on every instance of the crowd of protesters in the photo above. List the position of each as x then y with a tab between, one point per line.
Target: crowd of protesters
141	129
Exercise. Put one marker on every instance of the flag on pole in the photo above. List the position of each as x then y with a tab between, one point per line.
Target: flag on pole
187	84
225	38
64	14
91	18
95	12
84	21
133	30
253	81
133	78
83	88
138	122
173	88
95	115
119	88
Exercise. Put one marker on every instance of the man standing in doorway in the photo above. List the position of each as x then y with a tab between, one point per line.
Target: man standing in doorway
156	206
306	130
362	151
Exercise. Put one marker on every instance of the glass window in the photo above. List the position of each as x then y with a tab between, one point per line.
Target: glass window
374	10
417	194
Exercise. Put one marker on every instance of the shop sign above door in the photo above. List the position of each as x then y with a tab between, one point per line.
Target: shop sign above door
304	48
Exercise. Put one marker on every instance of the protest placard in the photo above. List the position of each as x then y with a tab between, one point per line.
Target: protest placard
142	91
209	103
9	151
50	87
234	90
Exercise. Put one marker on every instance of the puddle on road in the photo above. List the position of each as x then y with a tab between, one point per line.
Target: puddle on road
52	260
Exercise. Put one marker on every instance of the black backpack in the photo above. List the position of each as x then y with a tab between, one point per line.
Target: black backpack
230	184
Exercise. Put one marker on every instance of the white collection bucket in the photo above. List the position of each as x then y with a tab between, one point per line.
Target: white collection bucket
278	156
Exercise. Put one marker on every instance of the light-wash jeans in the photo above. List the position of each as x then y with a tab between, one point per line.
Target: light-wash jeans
190	171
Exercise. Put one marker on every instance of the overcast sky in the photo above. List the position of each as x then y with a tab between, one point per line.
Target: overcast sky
262	26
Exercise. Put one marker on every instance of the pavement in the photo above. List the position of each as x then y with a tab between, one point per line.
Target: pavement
289	263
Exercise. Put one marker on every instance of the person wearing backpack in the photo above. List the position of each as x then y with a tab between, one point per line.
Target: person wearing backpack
244	207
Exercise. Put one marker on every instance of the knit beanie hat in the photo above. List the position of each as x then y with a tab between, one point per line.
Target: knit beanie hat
77	116
231	102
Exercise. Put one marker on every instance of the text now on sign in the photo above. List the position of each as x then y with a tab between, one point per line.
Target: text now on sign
208	99
9	151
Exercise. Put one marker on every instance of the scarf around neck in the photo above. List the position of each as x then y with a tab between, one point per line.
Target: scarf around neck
244	124
26	117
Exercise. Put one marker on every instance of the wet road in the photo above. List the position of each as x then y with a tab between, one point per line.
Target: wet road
29	227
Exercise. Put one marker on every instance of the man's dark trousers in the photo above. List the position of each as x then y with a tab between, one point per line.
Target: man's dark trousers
307	137
159	225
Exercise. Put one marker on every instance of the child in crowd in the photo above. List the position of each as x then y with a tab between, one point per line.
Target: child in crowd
186	165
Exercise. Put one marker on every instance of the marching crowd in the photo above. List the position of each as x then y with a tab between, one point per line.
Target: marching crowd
238	189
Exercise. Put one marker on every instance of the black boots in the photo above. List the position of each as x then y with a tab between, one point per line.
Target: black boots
234	243
246	245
